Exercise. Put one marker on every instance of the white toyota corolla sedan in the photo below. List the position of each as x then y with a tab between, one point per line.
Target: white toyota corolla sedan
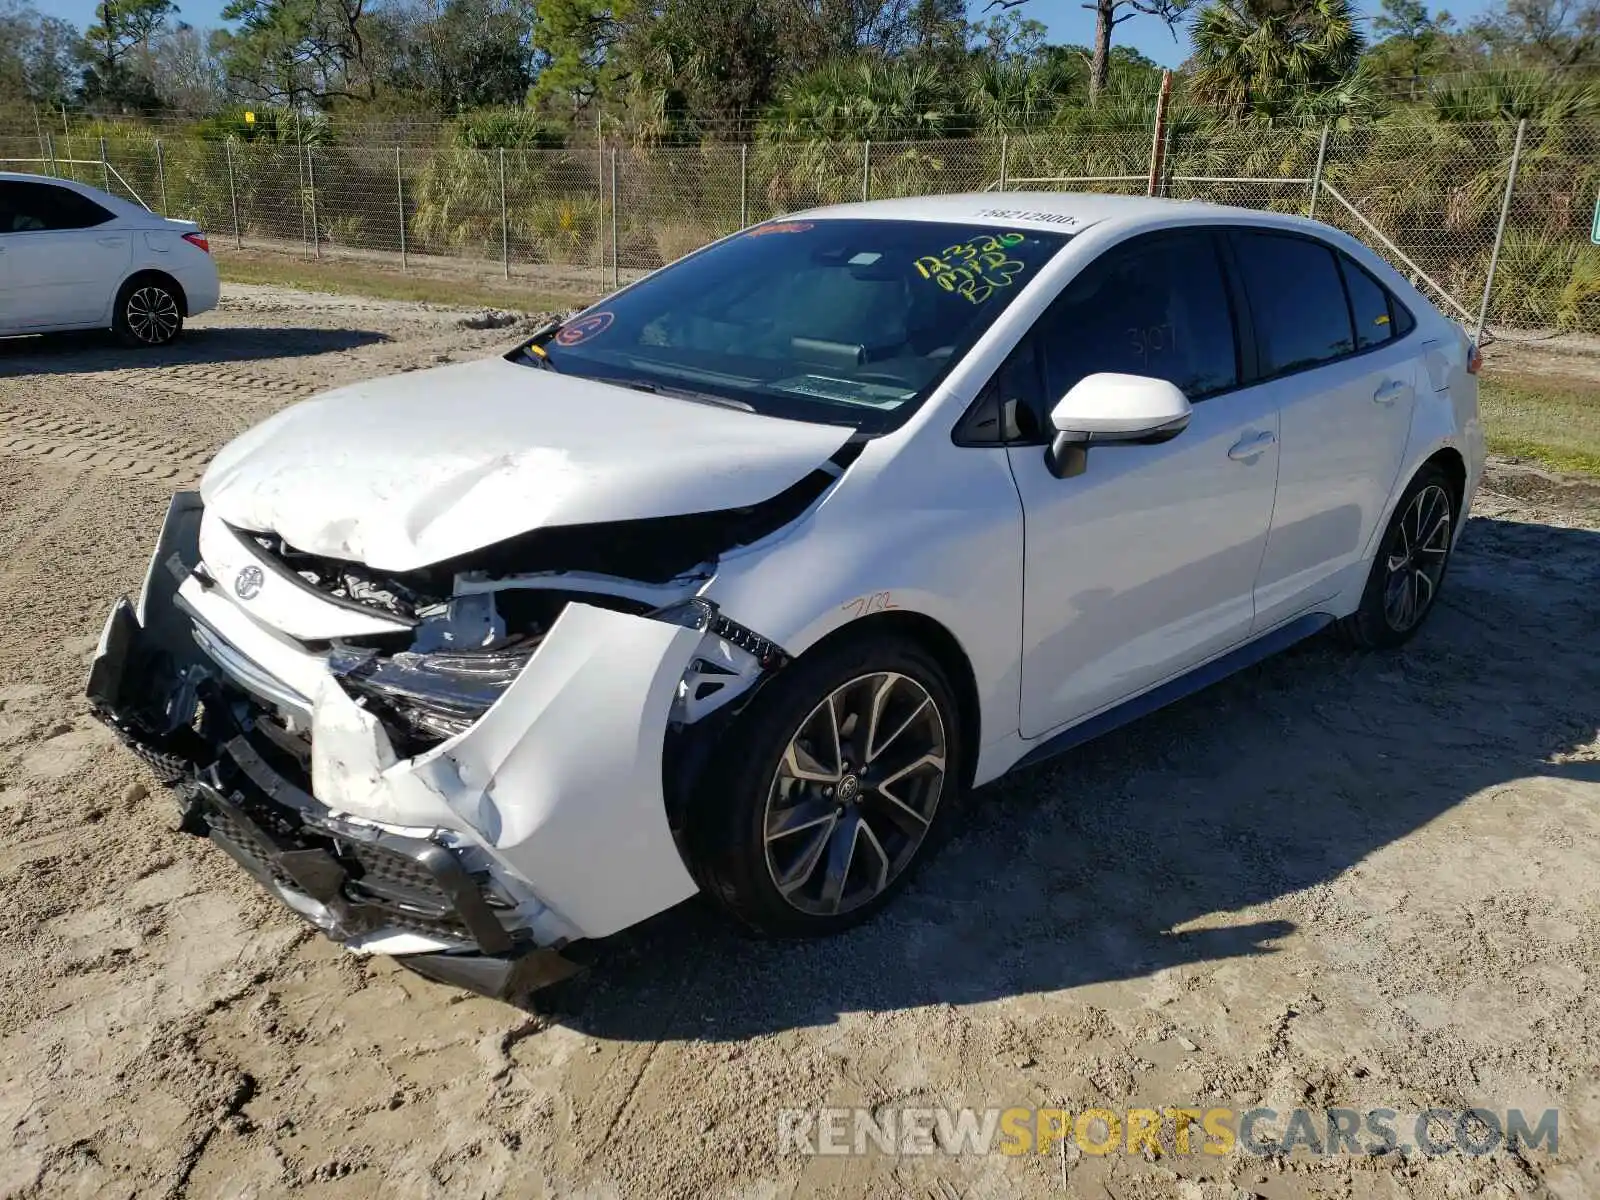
74	257
741	580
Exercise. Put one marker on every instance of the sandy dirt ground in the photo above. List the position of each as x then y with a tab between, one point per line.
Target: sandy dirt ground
1334	880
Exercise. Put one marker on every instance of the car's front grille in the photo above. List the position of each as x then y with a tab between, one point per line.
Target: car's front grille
365	878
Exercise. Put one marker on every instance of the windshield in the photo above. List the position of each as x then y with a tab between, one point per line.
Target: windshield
844	321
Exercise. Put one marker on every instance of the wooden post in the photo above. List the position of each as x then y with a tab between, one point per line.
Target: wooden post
1157	143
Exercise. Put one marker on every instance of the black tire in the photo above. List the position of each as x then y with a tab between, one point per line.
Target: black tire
149	312
1411	560
732	827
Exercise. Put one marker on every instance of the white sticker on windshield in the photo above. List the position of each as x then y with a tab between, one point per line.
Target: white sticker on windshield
844	391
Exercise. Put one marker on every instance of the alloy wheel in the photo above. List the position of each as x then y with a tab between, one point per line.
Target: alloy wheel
152	315
1418	549
854	793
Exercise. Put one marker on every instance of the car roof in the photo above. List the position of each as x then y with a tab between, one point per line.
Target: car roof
1067	212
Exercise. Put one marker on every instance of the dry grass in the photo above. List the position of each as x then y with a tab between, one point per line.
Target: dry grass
357	279
1551	418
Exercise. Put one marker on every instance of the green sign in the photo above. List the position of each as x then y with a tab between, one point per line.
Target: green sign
1594	226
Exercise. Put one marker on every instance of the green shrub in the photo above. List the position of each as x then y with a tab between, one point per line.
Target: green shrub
1549	282
564	228
507	129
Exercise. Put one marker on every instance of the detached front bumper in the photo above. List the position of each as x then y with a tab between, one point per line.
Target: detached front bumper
474	863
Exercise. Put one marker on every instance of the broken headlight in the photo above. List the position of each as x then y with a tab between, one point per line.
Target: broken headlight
459	663
435	695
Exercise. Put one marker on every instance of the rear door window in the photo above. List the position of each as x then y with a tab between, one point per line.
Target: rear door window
1377	314
1297	300
27	207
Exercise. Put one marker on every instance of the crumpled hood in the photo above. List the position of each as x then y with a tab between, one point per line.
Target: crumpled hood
403	472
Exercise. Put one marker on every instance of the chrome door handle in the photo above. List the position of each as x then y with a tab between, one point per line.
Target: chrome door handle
1251	447
1389	392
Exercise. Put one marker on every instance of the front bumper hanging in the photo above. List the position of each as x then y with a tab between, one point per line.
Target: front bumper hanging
241	780
352	881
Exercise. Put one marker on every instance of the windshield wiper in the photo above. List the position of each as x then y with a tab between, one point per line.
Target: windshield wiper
655	389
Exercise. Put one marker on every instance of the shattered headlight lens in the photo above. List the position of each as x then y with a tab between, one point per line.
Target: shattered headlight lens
438	695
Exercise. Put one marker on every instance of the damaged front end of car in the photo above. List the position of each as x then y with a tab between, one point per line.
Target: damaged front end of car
469	766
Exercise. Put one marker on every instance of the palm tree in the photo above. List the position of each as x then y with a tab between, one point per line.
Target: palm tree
1263	58
1003	96
866	98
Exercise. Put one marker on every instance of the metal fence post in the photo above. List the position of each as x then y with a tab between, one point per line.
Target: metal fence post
1500	229
311	185
50	153
1005	160
300	177
505	224
1165	187
615	256
1316	175
400	200
233	195
744	186
105	167
66	134
161	178
866	170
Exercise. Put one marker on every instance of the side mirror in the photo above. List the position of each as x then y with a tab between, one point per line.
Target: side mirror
1106	409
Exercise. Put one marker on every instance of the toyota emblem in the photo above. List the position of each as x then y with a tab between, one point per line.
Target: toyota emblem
247	583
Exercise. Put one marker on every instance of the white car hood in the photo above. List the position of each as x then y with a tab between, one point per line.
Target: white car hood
404	472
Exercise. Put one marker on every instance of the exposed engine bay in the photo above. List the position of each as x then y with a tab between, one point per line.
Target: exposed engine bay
474	623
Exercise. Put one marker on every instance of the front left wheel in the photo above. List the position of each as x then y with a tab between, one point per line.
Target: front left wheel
843	776
148	313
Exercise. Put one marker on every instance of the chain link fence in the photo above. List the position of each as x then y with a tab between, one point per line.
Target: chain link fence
1445	203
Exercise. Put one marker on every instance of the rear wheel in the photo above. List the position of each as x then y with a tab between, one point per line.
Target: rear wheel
847	773
1409	568
148	312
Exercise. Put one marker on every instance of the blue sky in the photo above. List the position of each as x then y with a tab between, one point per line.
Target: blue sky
1068	21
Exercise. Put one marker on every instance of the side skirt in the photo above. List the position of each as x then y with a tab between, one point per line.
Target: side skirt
1203	676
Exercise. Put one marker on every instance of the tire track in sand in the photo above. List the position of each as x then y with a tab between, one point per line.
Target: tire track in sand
99	447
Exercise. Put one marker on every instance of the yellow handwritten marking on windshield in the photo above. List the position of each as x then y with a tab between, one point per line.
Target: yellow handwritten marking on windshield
974	269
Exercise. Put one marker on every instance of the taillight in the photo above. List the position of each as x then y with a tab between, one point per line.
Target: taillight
1474	359
198	239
